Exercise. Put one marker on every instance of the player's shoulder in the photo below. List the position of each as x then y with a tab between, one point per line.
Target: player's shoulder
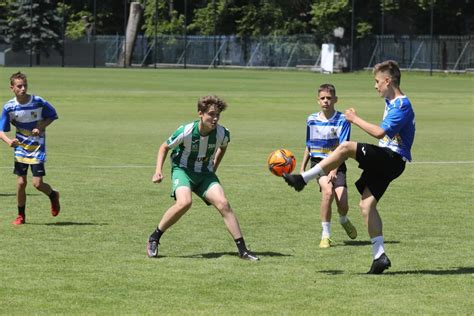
339	115
313	116
222	129
399	102
187	126
10	104
36	99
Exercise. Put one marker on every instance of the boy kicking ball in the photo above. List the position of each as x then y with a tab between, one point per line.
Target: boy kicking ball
380	164
197	149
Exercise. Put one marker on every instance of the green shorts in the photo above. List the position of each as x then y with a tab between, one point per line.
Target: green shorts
198	182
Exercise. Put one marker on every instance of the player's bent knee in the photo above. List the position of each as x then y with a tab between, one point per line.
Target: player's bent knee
184	205
37	185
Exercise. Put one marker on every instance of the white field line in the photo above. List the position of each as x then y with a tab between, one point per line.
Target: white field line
242	166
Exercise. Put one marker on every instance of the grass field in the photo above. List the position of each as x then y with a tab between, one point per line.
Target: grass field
101	153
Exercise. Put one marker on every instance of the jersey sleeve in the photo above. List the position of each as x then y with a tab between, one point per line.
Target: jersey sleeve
226	139
345	132
176	138
5	121
394	121
49	111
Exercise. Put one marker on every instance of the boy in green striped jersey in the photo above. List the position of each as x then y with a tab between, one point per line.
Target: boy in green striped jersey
197	149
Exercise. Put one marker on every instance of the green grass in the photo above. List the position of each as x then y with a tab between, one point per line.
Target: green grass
101	155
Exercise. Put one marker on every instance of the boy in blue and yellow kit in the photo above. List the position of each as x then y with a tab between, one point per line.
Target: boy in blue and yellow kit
30	115
325	130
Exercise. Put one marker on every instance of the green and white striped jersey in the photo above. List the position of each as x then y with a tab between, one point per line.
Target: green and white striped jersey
192	151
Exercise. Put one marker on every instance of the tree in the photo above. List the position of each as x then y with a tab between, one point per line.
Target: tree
168	20
253	18
3	22
34	27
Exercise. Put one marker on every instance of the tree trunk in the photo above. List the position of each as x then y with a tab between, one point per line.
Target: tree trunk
136	12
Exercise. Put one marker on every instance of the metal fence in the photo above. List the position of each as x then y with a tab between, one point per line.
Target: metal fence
450	53
210	51
447	53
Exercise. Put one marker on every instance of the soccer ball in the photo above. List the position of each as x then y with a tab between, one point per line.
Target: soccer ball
281	161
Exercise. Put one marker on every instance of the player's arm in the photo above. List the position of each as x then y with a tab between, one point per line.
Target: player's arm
304	161
218	157
10	142
371	129
41	126
160	160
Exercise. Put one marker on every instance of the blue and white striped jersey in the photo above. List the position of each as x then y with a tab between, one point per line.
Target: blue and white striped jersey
399	125
31	149
324	135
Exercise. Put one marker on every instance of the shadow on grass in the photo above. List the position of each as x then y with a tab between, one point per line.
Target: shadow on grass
366	242
14	194
453	271
331	272
71	224
215	255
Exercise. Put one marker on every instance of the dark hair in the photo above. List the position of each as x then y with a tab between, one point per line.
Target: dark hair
390	66
17	76
204	103
327	87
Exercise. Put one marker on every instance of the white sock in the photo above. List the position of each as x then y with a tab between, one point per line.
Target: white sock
313	173
326	229
377	246
343	219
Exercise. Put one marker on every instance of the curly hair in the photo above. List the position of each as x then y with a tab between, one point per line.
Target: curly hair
204	103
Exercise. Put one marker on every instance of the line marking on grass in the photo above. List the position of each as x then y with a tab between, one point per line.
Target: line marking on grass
242	166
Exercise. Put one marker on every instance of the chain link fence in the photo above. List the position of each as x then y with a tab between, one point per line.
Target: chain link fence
445	53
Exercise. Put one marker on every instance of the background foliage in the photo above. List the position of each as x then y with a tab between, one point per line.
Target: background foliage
263	17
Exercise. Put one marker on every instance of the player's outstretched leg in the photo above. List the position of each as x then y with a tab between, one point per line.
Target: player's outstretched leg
379	265
295	180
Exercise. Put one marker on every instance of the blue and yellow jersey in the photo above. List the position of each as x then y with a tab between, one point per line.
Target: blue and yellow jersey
31	149
324	135
399	125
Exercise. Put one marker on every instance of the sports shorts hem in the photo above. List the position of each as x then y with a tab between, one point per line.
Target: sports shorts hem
21	169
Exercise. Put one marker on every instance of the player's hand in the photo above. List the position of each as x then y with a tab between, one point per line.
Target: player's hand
15	142
35	132
350	114
157	177
332	177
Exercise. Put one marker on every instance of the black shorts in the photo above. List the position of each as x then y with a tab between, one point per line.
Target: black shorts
381	166
21	169
341	172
